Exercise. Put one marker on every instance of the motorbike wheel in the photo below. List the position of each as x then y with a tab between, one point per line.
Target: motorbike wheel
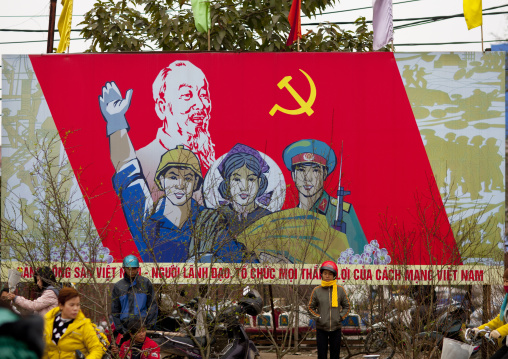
431	353
378	341
252	355
428	348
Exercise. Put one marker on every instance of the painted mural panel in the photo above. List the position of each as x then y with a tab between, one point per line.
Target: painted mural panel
263	158
458	100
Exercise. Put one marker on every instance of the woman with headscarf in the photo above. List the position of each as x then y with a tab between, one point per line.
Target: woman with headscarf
46	282
243	188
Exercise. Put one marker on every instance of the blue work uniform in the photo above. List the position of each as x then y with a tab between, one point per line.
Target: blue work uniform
133	300
156	237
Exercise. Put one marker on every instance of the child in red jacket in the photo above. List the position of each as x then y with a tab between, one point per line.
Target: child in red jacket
140	346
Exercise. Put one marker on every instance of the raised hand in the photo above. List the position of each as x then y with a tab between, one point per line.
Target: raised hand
114	106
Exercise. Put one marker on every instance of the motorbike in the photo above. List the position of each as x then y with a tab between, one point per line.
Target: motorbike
450	324
184	314
230	341
392	329
398	324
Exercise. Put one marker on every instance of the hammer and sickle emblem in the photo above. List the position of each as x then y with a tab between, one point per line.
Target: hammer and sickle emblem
305	106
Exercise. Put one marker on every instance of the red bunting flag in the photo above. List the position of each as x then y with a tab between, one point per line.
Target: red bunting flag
295	21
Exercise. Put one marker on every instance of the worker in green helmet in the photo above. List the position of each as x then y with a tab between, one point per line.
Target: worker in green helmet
162	231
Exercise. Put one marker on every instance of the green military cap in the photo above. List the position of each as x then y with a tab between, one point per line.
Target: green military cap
309	151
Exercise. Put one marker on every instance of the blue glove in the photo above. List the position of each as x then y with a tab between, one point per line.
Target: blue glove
114	106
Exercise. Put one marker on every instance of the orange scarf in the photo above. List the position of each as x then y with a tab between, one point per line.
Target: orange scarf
335	298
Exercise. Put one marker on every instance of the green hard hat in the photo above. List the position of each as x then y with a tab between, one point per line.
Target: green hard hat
178	157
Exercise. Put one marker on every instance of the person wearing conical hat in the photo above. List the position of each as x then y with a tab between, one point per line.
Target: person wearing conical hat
162	231
310	162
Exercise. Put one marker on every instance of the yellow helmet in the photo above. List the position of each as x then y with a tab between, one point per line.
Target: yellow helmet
178	157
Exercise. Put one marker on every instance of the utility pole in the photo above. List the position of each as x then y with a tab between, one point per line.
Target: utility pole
51	30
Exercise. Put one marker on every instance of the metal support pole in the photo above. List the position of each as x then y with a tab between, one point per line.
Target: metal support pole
485	318
297	323
483	50
273	312
51	29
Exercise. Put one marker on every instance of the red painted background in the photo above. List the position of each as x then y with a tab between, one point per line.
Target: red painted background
360	100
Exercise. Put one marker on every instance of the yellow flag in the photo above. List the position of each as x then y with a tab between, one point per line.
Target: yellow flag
64	26
473	13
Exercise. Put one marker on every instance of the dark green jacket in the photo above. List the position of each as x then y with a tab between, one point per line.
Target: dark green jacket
320	305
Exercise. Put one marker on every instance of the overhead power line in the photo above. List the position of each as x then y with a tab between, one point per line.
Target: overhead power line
430	21
28	30
429	18
46	40
31	15
448	43
324	13
359	8
440	18
418	21
410	44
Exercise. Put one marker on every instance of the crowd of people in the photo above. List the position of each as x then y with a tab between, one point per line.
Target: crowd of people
57	327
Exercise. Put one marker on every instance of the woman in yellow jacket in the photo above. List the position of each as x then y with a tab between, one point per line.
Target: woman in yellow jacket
500	324
67	330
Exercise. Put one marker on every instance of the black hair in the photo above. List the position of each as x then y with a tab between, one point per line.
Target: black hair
199	179
135	325
47	277
325	168
236	161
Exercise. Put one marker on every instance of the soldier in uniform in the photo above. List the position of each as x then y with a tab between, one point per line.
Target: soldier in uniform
310	163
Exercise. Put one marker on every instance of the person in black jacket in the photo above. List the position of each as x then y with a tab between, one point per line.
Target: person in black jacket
133	298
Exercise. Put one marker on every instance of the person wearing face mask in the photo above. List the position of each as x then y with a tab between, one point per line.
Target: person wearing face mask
499	325
67	330
46	282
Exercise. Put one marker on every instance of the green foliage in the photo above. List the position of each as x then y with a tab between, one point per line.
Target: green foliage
251	25
115	27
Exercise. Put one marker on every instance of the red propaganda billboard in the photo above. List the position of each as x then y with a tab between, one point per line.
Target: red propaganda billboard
359	158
